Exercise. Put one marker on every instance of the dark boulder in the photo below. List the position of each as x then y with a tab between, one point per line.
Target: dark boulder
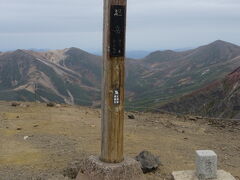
131	116
50	104
148	161
15	104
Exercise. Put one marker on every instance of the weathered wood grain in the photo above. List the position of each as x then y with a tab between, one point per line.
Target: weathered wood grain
113	78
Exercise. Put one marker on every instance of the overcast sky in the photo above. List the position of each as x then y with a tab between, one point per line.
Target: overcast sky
151	24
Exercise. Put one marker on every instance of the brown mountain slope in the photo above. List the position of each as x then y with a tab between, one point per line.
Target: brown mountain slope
24	73
170	74
74	76
70	76
220	98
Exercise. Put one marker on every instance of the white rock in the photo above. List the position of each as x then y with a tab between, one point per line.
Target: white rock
206	164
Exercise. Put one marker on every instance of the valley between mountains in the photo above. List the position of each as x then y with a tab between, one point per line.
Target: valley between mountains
163	80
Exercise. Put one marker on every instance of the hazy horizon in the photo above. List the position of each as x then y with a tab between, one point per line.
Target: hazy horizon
151	25
98	52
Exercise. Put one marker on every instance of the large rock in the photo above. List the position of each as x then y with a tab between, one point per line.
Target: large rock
148	161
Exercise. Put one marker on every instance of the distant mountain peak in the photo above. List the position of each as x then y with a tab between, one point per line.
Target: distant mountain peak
221	43
19	51
74	50
73	75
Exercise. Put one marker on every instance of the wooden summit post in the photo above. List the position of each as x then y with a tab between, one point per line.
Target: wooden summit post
113	81
111	164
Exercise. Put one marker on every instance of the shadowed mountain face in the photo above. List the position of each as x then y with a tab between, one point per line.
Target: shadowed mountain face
168	74
219	99
65	76
74	76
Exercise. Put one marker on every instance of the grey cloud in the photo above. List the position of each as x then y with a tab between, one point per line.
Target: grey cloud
152	24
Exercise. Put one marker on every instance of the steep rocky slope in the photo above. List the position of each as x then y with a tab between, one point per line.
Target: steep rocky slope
73	76
170	74
221	98
28	75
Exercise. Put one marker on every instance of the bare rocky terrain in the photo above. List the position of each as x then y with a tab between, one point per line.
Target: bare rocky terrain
73	76
39	142
219	99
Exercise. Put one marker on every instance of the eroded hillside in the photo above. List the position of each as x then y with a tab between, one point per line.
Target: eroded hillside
73	76
219	99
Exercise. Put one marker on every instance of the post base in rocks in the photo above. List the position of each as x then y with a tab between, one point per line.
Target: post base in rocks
192	175
94	169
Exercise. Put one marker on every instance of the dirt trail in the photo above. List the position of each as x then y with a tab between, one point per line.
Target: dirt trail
38	141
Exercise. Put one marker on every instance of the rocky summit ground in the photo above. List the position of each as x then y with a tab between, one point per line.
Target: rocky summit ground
40	142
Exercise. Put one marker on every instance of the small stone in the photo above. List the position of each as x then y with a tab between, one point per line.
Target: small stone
50	104
131	116
19	129
192	118
148	161
23	105
222	126
58	105
15	104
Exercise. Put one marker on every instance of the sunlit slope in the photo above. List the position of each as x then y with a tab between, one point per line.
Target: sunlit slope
73	76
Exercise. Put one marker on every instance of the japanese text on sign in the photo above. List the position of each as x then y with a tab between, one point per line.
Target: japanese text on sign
117	31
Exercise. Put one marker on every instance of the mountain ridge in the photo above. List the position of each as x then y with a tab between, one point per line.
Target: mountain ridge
73	76
221	98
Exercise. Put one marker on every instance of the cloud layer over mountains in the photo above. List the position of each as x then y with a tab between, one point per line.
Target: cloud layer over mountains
155	24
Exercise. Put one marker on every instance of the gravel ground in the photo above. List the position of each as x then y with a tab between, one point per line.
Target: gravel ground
40	142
